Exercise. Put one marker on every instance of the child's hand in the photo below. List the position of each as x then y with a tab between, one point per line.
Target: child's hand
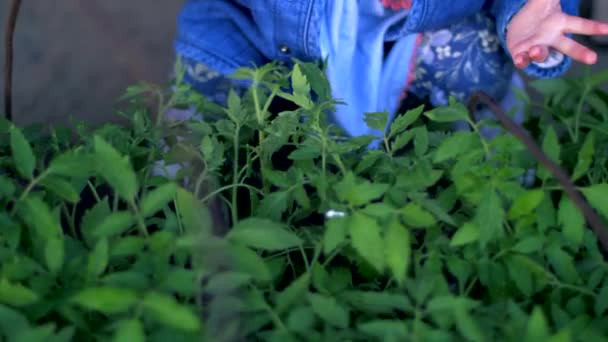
541	25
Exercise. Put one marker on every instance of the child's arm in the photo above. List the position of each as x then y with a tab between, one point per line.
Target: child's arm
532	30
541	25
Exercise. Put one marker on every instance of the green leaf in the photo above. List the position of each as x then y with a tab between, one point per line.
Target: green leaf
127	246
530	244
358	193
601	301
263	234
467	326
405	120
61	188
451	113
247	261
552	149
377	120
23	156
157	199
98	259
12	322
403	139
107	300
335	234
39	216
489	217
367	241
571	221
273	205
417	217
227	282
521	276
585	157
301	88
596	195
377	302
398	250
538	328
115	169
421	141
301	319
525	204
7	187
455	145
114	224
563	264
72	164
329	310
167	310
130	331
293	293
382	329
54	254
16	294
468	233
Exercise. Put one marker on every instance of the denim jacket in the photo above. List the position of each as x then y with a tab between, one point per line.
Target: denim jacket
228	34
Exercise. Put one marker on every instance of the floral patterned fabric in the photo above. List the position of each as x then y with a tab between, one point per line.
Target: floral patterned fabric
460	60
456	61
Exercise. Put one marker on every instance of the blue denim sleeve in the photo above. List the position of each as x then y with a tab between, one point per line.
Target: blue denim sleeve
430	15
558	64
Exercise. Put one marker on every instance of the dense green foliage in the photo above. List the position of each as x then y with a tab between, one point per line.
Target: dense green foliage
430	237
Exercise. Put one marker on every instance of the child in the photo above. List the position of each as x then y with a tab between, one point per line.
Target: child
381	51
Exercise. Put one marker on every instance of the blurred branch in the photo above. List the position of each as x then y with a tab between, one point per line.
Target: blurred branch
8	57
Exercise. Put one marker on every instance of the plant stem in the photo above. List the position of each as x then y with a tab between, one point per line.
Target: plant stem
29	189
235	175
579	112
140	220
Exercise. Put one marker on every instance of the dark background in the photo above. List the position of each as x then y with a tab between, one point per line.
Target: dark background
76	57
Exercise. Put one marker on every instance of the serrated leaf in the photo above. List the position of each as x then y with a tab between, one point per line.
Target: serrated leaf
98	259
39	216
403	121
367	241
489	217
397	248
293	293
525	204
107	300
167	310
72	164
530	244
226	282
377	120
129	331
538	328
273	205
421	141
115	169
585	157
572	221
601	301
54	254
301	88
22	153
356	192
16	294
451	113
247	261
403	139
552	149
468	233
596	195
563	264
415	216
263	234
335	234
114	224
455	145
157	199
329	310
382	329
61	188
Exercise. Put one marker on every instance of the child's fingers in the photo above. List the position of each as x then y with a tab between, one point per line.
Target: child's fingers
578	25
539	53
521	60
575	50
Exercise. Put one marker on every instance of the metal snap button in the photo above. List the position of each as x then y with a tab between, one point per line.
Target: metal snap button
284	49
